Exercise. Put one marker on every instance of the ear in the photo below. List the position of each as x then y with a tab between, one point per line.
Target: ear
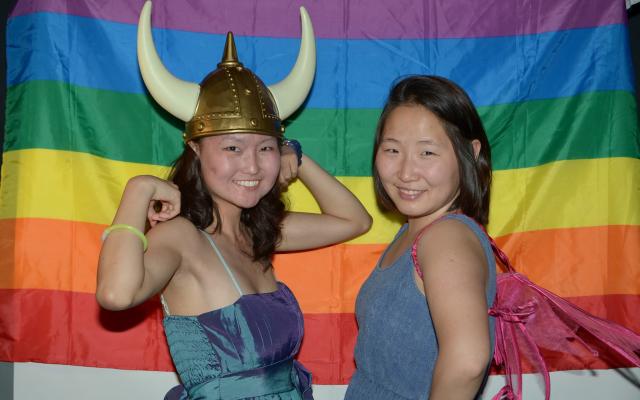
475	143
195	147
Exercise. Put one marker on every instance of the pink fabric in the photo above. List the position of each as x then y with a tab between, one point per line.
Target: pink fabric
531	322
414	248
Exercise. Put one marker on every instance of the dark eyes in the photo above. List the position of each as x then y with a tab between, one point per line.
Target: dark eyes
236	149
425	153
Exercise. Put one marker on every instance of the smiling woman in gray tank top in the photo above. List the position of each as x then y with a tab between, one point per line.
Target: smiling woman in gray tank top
424	330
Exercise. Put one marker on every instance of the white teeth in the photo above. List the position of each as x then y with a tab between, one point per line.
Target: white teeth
410	192
248	183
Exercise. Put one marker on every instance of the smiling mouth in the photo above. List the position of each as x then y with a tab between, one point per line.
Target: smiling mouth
410	192
247	183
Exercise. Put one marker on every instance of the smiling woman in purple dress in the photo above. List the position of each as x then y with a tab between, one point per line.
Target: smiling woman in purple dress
233	329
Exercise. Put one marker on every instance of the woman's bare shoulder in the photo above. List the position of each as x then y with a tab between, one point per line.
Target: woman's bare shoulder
174	233
450	239
451	230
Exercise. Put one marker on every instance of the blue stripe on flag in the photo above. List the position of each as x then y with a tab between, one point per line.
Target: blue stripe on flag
351	73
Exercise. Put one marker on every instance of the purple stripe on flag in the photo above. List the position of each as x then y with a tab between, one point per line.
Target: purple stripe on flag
355	19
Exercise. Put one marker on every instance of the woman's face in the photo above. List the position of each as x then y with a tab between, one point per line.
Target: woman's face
416	163
239	169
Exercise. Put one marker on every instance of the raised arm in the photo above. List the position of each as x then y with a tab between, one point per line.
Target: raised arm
455	275
127	275
343	217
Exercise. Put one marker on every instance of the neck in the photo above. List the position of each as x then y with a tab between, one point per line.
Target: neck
229	222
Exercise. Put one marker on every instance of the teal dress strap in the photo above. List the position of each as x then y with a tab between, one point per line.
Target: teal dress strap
165	306
224	263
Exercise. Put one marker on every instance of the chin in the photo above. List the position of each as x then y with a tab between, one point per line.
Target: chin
251	205
247	199
409	209
250	202
245	203
414	211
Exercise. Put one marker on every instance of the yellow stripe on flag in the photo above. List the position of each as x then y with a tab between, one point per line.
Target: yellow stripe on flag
80	187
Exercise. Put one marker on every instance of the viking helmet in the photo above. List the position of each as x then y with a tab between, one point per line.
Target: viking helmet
231	99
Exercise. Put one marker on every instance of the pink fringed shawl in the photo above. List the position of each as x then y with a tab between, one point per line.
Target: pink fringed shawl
532	323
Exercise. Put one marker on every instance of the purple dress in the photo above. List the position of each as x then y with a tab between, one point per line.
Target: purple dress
244	350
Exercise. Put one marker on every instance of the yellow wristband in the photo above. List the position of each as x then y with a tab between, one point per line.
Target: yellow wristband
131	229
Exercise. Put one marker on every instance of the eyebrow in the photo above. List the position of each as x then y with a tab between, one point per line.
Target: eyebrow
231	138
429	141
421	141
268	139
240	139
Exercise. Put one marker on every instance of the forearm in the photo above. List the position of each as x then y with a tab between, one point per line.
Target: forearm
333	197
121	264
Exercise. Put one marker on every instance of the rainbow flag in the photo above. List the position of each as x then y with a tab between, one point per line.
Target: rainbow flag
552	81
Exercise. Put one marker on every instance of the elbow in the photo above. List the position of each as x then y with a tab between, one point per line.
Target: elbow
474	367
113	301
474	370
355	225
469	367
363	224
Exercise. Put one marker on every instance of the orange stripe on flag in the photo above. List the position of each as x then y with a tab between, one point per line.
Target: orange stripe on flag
580	261
49	254
62	255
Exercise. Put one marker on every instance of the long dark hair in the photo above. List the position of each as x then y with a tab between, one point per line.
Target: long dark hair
261	223
461	122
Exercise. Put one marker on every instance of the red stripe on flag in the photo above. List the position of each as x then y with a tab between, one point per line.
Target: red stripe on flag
70	328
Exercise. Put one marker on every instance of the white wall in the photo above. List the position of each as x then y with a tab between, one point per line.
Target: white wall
33	381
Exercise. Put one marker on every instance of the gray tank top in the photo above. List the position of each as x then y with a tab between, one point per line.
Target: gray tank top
396	347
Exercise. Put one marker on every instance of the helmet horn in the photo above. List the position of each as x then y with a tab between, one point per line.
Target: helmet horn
291	92
174	95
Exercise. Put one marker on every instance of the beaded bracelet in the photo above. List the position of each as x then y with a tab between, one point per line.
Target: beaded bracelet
129	228
296	146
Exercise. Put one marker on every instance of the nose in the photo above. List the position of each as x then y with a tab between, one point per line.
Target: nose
407	170
251	162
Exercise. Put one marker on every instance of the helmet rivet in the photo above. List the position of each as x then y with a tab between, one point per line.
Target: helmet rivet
247	91
200	125
253	122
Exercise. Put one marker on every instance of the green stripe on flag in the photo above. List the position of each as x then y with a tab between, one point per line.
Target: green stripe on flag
131	127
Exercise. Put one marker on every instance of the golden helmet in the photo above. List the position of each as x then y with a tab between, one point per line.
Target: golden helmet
230	99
